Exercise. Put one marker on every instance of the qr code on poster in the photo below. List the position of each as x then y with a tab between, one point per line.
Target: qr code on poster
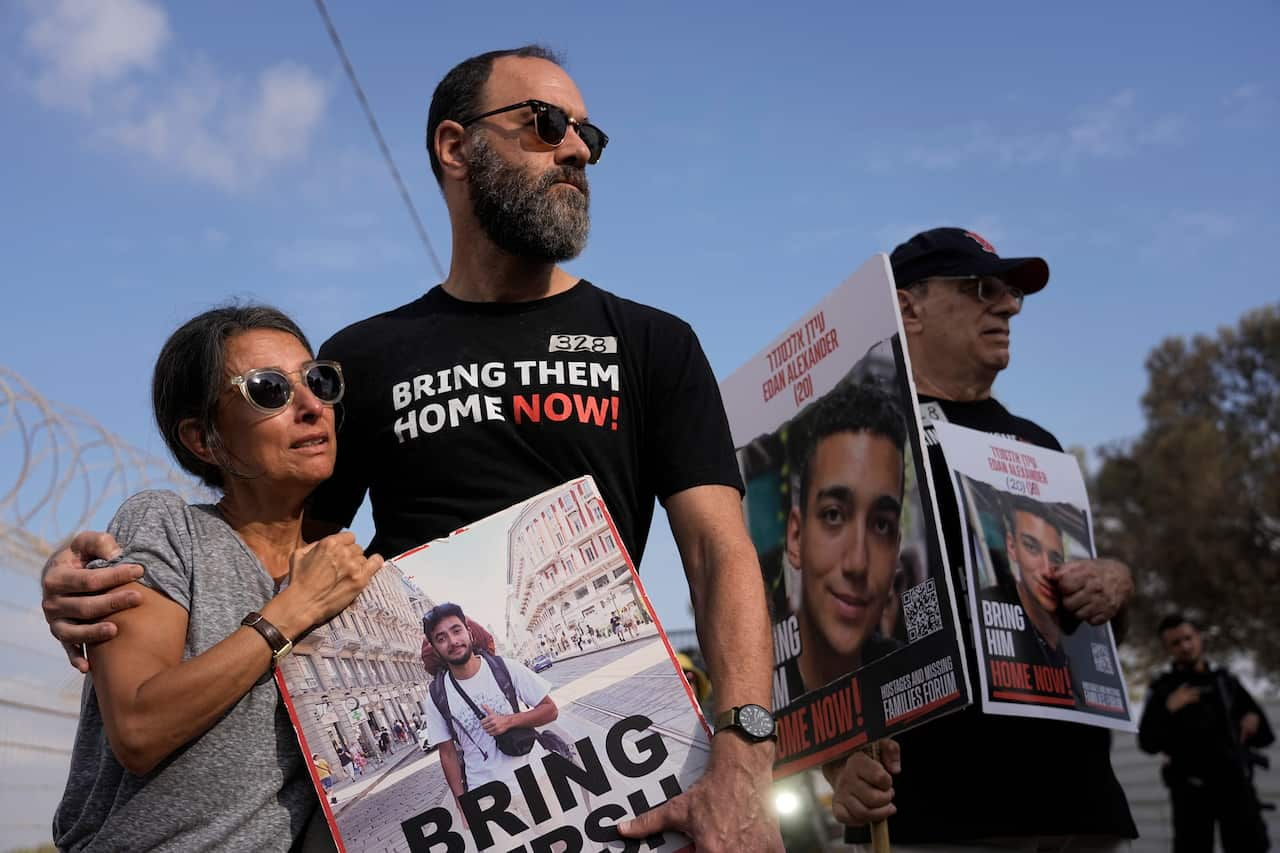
1102	659
920	609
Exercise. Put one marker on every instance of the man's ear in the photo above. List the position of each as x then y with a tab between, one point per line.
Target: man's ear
450	143
195	439
910	308
793	537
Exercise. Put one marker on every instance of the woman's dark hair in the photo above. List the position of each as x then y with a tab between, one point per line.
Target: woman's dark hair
191	374
457	96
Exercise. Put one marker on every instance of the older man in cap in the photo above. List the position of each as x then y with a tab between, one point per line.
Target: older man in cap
973	781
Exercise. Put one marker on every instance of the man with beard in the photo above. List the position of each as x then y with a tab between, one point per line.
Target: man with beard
468	740
513	376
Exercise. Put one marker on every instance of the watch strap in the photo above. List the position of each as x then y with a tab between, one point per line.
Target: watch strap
725	719
280	645
729	719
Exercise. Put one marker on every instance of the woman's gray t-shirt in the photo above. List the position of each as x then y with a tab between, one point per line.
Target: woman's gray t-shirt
243	784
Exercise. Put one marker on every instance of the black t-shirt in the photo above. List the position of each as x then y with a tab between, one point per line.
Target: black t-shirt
970	775
455	410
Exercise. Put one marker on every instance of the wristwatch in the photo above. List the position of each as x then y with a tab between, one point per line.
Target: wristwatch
280	645
752	721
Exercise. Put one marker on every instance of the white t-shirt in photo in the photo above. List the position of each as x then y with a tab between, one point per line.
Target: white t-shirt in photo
484	761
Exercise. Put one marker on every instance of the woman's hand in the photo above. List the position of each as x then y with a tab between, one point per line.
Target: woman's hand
324	577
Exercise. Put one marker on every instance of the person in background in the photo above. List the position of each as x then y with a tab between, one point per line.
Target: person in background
347	762
324	773
1206	724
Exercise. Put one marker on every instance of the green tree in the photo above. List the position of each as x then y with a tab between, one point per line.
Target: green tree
1193	504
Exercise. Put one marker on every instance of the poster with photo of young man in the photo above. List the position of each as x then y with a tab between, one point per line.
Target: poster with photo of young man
1025	514
545	703
840	510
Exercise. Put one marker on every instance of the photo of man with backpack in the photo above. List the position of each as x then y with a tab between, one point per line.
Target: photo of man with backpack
485	709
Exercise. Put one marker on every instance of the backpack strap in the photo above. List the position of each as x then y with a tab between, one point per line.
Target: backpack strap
502	675
480	715
441	700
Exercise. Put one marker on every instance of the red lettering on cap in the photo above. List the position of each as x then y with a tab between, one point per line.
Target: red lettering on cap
981	241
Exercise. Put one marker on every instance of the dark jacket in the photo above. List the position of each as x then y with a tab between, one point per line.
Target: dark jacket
1202	739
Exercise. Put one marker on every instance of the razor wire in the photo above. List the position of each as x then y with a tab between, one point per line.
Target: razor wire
61	469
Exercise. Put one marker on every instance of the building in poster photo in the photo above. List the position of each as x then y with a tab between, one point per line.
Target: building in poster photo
572	588
359	676
618	730
839	509
1025	513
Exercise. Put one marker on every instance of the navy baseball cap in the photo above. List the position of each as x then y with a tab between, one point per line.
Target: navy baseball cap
957	252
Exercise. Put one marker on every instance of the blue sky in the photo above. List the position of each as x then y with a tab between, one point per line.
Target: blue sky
161	158
158	158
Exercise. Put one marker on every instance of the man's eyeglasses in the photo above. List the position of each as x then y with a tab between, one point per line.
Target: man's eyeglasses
988	288
552	125
270	389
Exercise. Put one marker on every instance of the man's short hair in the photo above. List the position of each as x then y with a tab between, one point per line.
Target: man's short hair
457	96
852	407
1174	620
438	614
1015	504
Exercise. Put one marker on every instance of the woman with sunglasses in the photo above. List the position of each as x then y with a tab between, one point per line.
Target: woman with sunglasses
183	741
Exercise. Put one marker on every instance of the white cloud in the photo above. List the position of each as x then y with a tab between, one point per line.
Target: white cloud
1194	233
1250	106
82	44
105	59
1244	94
226	134
1205	224
214	238
290	102
1113	128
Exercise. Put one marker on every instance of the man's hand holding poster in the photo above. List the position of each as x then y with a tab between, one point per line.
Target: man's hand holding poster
838	507
1025	517
542	706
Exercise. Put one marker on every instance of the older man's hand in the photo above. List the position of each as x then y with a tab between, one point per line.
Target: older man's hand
1094	590
862	786
76	599
727	810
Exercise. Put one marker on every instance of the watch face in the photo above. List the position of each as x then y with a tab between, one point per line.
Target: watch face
755	721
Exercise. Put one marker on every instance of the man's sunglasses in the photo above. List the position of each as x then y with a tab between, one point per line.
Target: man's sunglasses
552	124
270	389
987	288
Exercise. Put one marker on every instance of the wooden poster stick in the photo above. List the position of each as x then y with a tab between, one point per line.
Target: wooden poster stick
879	828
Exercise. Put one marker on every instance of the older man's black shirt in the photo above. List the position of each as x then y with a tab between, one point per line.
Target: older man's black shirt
972	775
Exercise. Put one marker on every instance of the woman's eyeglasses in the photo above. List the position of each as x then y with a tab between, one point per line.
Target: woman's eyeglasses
552	125
270	389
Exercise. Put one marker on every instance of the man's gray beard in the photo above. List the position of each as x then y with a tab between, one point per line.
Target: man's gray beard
523	216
